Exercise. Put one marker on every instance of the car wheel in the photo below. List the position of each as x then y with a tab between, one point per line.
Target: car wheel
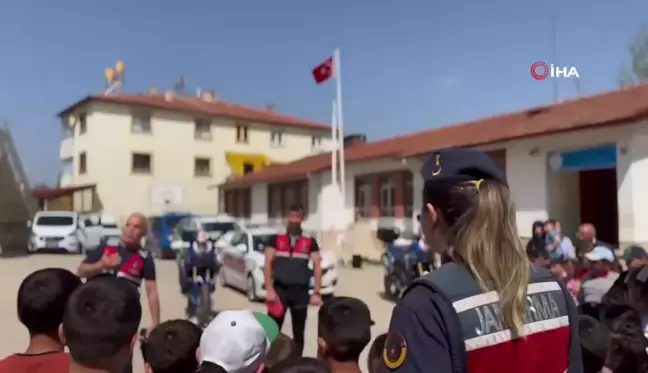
251	289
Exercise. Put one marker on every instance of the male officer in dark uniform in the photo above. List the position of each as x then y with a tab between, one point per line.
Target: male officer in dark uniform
446	322
288	276
127	260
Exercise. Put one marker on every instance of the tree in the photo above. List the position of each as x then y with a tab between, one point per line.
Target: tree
639	56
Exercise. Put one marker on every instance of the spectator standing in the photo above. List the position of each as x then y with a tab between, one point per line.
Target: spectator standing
288	276
588	240
128	261
558	246
600	278
480	313
635	257
344	330
171	347
41	302
536	248
100	325
236	342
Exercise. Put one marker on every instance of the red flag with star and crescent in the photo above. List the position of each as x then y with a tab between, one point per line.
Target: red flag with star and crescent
323	71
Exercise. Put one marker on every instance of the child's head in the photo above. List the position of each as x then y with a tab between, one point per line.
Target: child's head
374	358
281	349
301	365
344	329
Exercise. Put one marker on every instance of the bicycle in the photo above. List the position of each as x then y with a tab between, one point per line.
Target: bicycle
201	289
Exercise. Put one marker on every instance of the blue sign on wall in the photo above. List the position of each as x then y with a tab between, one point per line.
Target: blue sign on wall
598	157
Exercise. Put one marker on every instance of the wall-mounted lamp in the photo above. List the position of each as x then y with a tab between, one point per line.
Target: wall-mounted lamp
623	150
535	151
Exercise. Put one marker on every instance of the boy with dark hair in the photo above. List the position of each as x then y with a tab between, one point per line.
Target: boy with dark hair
302	365
171	347
100	325
41	301
344	330
375	356
281	349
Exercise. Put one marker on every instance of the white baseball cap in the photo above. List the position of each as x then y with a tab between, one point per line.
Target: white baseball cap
238	340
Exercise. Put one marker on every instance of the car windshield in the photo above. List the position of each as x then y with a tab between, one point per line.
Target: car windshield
218	227
261	241
55	221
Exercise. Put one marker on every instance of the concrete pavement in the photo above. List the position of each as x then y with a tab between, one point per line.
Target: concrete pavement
365	284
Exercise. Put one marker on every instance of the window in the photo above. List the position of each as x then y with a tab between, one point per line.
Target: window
247	168
281	196
241	133
316	142
141	163
387	198
274	200
202	130
141	123
82	163
83	124
363	198
54	221
276	139
202	167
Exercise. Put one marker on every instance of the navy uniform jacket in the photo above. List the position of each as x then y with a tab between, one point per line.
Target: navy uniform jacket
136	265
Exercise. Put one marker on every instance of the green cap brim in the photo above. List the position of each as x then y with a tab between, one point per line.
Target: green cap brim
269	326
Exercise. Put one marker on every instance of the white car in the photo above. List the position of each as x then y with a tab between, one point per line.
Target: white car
56	231
242	261
95	229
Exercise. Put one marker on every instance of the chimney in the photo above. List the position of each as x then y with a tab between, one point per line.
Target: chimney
152	90
354	140
206	95
271	109
168	95
214	95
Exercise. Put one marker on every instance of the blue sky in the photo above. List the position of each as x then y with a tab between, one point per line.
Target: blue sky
406	65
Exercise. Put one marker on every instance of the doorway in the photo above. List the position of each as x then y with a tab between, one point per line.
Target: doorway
598	202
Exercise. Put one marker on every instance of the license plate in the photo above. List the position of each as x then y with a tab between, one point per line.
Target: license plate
51	243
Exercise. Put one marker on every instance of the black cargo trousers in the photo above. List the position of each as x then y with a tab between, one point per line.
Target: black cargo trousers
296	299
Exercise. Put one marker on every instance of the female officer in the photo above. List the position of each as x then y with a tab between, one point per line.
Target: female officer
489	310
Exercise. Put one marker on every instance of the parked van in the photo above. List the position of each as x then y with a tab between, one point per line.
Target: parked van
56	231
161	233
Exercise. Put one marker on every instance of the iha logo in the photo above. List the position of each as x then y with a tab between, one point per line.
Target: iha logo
540	71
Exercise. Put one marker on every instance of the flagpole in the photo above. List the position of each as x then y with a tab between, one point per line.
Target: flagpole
337	70
334	149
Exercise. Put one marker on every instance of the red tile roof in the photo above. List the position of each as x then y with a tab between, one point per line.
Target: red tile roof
197	106
605	109
50	193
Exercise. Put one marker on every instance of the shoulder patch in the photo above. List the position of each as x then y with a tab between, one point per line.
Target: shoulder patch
395	350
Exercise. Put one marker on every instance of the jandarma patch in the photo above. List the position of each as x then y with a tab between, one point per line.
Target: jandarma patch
395	350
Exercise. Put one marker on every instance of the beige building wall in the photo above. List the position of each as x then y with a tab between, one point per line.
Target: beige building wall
109	145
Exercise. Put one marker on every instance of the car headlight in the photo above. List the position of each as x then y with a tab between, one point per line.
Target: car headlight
72	236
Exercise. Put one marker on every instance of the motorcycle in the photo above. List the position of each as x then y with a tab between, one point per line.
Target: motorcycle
403	262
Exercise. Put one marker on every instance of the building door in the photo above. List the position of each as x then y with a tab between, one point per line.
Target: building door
598	194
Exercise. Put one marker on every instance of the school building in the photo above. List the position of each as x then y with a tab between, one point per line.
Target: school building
584	160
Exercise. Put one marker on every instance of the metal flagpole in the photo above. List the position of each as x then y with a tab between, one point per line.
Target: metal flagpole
334	149
554	51
337	70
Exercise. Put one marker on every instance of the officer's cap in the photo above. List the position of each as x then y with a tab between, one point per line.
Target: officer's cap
455	165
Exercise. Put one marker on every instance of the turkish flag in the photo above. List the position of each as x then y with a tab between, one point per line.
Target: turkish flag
323	71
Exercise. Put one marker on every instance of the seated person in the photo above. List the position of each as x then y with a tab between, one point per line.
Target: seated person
201	257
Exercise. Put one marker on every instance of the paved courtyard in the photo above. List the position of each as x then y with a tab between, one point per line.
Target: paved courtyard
364	284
